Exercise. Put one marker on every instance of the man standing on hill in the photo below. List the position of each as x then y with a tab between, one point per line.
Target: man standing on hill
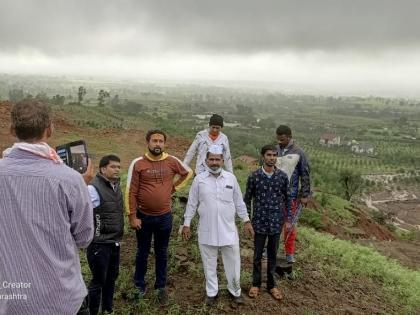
267	196
292	160
150	184
204	139
103	254
217	195
45	216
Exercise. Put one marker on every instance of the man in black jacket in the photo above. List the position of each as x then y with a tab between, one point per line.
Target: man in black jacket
103	254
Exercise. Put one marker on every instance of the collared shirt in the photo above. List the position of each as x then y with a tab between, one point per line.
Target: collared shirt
218	200
45	216
201	145
270	200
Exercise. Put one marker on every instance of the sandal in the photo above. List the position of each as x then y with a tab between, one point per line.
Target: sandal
276	294
254	292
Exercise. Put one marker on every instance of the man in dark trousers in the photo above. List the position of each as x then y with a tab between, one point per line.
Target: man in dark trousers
267	198
151	180
103	253
292	160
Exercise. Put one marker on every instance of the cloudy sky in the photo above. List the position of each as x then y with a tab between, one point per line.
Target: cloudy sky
336	46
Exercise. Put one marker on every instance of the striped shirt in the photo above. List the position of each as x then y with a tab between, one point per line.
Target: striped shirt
45	216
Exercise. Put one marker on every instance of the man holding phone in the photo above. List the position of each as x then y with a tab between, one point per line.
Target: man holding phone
45	216
150	184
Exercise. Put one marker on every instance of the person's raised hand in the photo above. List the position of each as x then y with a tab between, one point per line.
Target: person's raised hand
88	175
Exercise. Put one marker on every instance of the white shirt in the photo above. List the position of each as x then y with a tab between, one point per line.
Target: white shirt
94	195
218	199
201	145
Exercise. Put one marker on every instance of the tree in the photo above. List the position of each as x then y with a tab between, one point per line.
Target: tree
115	102
102	95
80	94
42	96
58	99
351	181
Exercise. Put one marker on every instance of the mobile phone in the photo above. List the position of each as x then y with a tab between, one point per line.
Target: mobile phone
74	154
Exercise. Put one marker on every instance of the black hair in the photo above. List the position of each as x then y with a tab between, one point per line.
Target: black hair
152	132
268	147
107	159
284	130
216	120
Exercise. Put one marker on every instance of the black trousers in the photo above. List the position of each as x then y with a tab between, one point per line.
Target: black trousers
104	263
272	245
84	308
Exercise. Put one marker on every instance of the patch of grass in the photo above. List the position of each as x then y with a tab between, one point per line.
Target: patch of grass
312	218
337	208
345	259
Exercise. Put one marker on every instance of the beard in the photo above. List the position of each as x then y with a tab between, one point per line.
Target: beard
155	151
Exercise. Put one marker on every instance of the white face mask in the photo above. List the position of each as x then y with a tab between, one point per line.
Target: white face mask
215	171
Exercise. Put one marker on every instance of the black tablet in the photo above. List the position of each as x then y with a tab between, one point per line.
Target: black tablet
74	154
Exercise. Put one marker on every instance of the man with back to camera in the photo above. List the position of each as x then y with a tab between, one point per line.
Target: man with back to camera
206	138
150	184
292	160
267	195
103	254
217	197
46	215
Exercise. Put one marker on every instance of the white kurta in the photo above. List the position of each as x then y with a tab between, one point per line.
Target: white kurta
200	146
218	200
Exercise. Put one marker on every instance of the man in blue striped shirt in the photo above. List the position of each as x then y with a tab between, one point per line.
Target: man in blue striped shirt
45	216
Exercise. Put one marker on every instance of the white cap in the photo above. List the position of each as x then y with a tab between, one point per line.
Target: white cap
215	149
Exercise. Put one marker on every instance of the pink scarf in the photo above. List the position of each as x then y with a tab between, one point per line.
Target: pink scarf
41	149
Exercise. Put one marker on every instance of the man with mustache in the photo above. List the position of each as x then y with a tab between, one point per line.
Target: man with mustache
217	196
150	184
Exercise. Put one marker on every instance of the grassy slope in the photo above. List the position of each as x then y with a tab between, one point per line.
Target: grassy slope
335	259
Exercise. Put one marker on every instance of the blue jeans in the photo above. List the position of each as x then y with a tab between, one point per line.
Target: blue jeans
160	227
104	263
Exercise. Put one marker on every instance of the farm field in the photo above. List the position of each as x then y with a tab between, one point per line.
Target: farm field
352	258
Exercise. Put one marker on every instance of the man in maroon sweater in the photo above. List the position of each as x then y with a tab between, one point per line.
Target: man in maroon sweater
150	184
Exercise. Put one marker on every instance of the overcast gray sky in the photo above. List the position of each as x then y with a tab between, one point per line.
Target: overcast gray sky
370	46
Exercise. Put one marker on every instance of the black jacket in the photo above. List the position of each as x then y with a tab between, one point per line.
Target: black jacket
109	215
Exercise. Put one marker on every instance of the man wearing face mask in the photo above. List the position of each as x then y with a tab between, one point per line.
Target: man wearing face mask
150	183
218	197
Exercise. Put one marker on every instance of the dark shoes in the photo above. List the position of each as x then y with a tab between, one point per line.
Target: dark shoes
162	296
237	299
210	300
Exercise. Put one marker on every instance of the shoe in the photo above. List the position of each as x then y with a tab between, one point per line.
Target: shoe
290	258
210	300
162	296
237	299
